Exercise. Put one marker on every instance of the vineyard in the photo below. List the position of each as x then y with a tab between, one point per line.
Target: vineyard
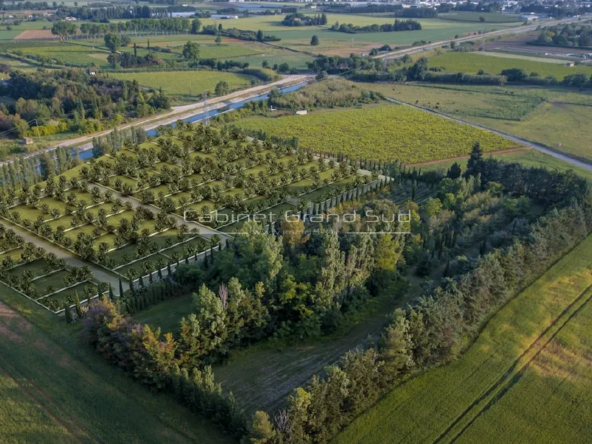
384	133
519	355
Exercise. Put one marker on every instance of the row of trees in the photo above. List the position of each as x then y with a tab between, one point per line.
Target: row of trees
435	330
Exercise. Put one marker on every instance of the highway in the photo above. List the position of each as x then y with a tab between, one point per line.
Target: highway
471	38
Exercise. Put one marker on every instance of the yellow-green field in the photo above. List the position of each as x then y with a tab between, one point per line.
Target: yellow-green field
387	132
527	377
556	117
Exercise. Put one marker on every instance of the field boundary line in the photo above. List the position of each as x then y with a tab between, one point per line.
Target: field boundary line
498	388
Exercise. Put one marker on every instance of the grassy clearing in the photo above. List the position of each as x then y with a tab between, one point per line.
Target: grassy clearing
496	102
186	83
473	62
423	408
559	124
384	132
55	389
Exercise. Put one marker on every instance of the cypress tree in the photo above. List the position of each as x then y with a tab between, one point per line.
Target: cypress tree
78	307
68	313
120	288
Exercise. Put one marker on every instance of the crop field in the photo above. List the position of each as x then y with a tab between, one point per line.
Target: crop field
555	117
495	102
15	30
472	62
384	132
179	84
60	52
526	357
55	391
490	17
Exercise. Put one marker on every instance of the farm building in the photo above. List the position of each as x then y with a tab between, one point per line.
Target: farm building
27	141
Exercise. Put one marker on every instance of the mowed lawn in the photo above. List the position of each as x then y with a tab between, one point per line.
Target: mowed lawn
390	132
527	375
473	62
181	83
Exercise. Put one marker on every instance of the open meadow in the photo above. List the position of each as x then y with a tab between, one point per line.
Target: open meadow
385	132
473	62
555	117
526	357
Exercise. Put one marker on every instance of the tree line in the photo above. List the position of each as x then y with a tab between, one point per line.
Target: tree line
398	25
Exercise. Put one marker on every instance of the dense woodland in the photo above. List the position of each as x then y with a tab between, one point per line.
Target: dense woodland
51	102
572	35
298	19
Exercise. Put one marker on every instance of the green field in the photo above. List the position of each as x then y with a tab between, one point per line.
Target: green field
383	132
555	117
473	62
517	379
179	84
60	52
55	389
6	34
331	42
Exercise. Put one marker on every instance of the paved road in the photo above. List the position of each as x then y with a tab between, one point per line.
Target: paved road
177	112
517	30
536	146
72	260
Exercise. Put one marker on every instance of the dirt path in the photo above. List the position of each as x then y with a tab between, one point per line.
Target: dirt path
528	143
